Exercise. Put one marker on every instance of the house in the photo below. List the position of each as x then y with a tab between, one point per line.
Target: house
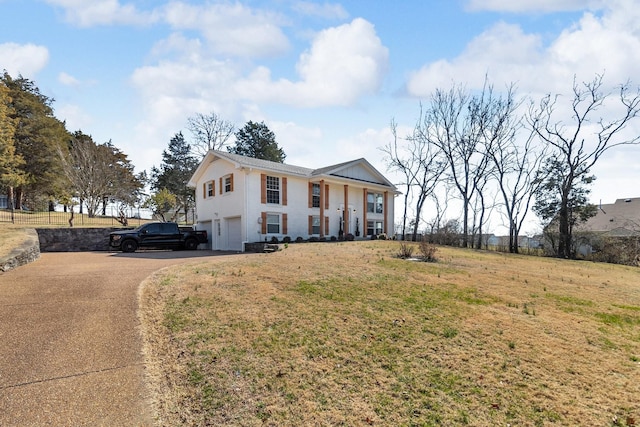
619	219
242	200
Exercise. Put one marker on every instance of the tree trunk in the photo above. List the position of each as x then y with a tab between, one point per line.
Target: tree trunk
18	198
564	240
465	224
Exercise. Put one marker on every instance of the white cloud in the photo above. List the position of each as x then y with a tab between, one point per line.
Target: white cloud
610	44
85	13
299	143
533	5
74	116
68	80
231	29
24	59
323	10
343	64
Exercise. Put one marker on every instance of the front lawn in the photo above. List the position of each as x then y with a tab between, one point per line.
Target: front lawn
348	334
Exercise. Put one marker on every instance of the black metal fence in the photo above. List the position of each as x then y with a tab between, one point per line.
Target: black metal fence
45	214
68	219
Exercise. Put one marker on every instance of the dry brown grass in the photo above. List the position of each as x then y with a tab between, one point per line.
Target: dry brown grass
11	238
347	334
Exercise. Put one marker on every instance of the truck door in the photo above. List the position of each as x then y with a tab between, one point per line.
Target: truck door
170	234
150	235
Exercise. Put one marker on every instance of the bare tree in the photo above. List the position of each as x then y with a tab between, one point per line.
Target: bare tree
210	132
517	165
458	124
97	172
421	164
519	172
404	165
578	147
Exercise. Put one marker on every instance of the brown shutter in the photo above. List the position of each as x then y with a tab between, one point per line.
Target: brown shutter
311	194
326	196
204	190
231	182
310	224
284	191
284	224
221	185
213	188
263	215
326	225
263	189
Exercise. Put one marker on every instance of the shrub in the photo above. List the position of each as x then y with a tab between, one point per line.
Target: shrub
299	239
427	250
382	236
323	238
274	239
350	237
334	238
314	239
286	239
405	251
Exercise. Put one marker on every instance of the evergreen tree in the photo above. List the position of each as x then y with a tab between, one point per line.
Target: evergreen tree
256	140
555	200
178	165
11	174
38	137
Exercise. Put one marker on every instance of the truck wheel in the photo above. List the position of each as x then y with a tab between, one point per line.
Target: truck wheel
129	246
191	244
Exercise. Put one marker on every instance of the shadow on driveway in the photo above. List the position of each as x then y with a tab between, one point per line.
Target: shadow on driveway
169	254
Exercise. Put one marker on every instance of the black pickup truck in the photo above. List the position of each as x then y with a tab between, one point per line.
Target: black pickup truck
166	235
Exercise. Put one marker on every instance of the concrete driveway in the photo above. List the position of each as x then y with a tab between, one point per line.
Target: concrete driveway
70	347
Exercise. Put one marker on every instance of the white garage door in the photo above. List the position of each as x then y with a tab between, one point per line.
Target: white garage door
234	234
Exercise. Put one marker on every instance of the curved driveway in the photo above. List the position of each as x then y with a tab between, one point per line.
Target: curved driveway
70	348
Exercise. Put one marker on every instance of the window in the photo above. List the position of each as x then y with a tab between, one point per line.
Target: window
167	228
273	190
374	203
315	224
315	195
210	190
273	223
374	228
228	183
152	228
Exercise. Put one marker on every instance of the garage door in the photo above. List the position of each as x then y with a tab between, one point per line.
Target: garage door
234	234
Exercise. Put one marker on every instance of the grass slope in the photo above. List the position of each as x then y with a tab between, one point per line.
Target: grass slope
347	334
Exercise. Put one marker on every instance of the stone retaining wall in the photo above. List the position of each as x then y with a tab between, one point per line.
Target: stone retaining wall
74	239
26	252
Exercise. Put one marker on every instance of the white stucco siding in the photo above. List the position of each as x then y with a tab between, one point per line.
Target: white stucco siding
297	208
238	214
224	206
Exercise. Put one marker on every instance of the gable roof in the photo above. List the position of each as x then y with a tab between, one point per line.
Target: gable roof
619	218
358	170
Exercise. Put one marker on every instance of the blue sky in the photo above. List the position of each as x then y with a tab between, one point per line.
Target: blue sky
326	77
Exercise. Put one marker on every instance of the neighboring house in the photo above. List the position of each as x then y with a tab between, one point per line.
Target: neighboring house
618	220
243	200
